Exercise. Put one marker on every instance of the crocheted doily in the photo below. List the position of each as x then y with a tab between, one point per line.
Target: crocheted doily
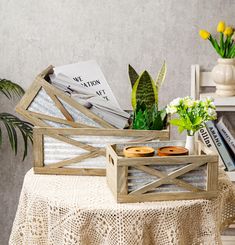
67	210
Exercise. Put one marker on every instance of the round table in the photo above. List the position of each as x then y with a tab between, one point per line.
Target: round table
67	210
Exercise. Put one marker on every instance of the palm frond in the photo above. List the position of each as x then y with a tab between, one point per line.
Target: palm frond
10	89
12	123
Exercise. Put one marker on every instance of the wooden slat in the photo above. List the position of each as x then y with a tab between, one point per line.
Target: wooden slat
70	171
168	178
212	176
38	149
160	174
28	97
156	134
165	196
122	184
60	106
57	119
76	105
77	159
206	79
166	160
73	142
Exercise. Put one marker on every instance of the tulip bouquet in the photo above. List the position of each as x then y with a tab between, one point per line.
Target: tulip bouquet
192	113
226	45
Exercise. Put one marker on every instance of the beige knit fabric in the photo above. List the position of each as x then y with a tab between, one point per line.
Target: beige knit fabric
67	210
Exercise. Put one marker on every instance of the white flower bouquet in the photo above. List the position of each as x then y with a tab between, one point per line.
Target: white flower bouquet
192	113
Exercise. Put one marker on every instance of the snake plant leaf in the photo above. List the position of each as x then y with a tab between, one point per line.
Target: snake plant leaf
133	75
161	75
144	91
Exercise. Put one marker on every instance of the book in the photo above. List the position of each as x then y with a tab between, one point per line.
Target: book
228	160
226	130
88	98
209	143
89	75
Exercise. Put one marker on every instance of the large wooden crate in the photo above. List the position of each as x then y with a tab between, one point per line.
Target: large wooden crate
81	151
162	178
46	106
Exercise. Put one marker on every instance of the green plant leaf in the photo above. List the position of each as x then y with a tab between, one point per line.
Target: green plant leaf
177	122
181	129
148	119
144	91
158	123
10	89
161	75
133	75
197	121
12	123
215	45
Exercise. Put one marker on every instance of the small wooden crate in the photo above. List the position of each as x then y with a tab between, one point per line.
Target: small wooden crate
162	178
81	151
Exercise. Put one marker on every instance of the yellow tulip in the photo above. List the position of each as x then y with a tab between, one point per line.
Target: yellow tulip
204	34
228	31
221	26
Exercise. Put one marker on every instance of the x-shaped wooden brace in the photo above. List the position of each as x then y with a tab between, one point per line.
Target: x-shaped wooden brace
168	178
92	151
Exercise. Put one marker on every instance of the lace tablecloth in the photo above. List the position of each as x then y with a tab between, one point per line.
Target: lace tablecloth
67	210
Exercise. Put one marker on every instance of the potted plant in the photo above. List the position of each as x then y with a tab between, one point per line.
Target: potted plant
223	73
11	122
192	115
146	114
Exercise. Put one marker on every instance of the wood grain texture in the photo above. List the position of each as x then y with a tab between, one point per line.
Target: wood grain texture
68	136
149	192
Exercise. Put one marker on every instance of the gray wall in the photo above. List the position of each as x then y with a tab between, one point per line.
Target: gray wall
34	34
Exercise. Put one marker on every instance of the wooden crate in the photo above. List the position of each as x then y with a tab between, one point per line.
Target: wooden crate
162	178
45	105
81	151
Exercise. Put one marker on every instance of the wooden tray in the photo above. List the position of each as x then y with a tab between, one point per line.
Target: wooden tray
46	106
162	177
80	151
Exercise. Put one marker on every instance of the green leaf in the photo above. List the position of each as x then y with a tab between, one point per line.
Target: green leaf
161	75
144	91
197	121
231	51
133	75
181	129
177	122
158	123
148	119
12	123
10	89
215	45
222	49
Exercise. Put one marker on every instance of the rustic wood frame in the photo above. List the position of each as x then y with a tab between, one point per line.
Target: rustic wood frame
61	133
55	94
117	175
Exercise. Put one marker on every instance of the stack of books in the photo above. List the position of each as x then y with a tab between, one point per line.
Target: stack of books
220	137
86	84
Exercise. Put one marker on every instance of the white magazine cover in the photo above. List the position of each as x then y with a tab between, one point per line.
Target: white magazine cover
89	75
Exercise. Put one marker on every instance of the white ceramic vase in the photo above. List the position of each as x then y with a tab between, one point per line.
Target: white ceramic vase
223	75
190	144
